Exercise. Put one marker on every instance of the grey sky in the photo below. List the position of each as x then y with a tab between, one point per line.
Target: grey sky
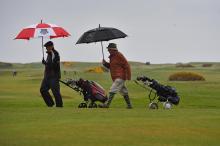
160	31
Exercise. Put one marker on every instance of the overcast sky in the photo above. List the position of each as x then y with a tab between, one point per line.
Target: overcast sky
159	31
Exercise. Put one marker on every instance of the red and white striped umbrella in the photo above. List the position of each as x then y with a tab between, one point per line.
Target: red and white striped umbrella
42	30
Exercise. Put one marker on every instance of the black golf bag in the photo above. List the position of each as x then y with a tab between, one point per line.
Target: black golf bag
91	91
162	93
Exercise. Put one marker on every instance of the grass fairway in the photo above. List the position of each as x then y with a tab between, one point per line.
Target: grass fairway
26	121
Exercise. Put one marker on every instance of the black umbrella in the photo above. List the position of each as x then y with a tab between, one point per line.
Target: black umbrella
101	34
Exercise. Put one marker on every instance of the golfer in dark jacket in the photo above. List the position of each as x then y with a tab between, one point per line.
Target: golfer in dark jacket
51	77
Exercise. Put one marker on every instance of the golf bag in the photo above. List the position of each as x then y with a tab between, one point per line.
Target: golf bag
166	94
91	91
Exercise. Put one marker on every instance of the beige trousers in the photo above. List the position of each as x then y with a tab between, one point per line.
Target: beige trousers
119	86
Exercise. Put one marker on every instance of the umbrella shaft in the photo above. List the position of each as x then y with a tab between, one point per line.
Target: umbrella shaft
102	51
42	40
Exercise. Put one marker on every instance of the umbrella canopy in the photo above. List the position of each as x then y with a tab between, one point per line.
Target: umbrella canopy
101	34
42	30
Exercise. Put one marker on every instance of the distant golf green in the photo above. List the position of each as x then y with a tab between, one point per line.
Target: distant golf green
26	121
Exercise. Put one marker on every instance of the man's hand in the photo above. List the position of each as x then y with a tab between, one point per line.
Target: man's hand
105	64
103	61
43	61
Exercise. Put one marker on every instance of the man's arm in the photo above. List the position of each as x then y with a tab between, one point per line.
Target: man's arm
43	61
56	60
106	64
126	66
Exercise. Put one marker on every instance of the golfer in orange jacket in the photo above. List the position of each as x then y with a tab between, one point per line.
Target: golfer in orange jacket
120	72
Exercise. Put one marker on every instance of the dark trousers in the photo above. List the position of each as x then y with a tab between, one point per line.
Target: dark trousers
54	85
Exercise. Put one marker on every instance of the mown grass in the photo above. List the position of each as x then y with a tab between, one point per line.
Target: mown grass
25	120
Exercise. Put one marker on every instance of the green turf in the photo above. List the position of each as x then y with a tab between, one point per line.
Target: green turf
26	121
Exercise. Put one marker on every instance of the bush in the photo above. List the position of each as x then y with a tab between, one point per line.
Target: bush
98	69
67	64
147	63
105	69
186	76
184	65
207	65
5	65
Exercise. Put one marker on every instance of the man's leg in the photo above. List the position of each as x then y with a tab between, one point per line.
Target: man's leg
124	93
127	100
106	105
45	94
55	87
116	86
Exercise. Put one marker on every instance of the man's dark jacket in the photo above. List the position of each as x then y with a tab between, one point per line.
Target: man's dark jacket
52	65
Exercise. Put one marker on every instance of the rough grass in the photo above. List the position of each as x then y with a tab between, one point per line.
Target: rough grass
25	120
182	65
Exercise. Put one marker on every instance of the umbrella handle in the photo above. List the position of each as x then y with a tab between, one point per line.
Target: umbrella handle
42	40
102	51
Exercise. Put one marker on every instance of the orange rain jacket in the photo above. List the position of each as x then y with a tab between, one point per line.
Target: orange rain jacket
119	67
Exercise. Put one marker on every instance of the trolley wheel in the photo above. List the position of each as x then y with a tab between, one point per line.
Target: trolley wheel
167	105
92	105
82	105
153	105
